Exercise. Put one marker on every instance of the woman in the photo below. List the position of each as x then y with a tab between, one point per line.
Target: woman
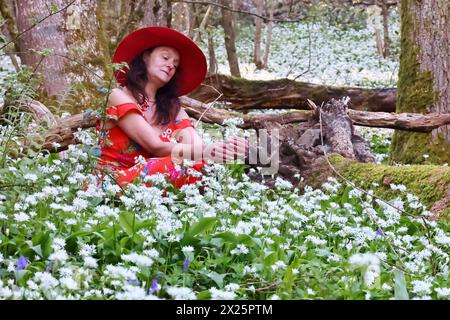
147	131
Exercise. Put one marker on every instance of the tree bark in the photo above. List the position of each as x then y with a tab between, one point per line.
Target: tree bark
9	29
257	56
289	94
212	66
424	78
268	35
157	13
77	50
45	35
230	40
387	40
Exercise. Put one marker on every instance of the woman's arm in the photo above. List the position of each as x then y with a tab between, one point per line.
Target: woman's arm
190	144
137	129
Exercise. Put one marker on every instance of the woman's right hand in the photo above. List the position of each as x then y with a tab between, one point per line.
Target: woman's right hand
232	149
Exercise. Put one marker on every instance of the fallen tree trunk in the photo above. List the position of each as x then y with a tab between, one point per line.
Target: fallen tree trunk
59	137
401	121
62	132
288	94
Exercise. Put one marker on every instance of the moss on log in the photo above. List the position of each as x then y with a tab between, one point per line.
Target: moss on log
431	183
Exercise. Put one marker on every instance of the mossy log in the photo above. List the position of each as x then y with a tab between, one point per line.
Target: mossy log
431	183
245	94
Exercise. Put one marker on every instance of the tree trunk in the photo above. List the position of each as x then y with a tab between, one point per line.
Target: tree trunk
75	38
424	79
387	40
212	67
230	40
9	29
257	56
45	35
268	35
289	94
157	13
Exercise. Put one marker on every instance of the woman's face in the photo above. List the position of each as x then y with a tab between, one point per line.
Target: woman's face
161	64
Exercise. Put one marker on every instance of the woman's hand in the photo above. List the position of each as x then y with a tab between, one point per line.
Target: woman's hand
233	148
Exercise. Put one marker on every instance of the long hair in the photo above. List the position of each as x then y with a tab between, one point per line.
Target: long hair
167	102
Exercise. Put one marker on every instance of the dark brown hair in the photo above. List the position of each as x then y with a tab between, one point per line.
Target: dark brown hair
167	102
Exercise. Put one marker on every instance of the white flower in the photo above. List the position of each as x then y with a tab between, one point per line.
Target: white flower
69	283
421	287
217	294
283	184
248	269
278	265
232	287
315	240
59	255
58	243
139	260
310	291
79	204
365	259
31	177
156	179
371	274
187	249
21	217
90	262
45	280
181	293
399	187
443	292
240	249
386	287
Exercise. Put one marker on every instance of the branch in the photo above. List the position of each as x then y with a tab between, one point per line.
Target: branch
266	19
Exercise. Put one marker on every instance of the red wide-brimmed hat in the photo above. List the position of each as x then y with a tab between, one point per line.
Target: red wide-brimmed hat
192	67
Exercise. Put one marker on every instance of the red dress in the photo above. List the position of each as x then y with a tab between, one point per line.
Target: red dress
119	152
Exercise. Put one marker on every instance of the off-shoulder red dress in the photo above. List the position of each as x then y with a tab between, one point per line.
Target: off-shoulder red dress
119	152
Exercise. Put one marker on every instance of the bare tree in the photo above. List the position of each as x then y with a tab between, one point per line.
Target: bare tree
257	59
230	40
386	40
268	34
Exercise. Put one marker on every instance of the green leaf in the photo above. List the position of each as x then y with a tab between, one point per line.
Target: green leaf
288	282
246	239
204	295
128	222
270	259
189	240
400	291
37	249
202	225
218	278
19	274
227	237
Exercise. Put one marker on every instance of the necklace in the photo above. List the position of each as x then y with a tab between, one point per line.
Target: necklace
147	104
